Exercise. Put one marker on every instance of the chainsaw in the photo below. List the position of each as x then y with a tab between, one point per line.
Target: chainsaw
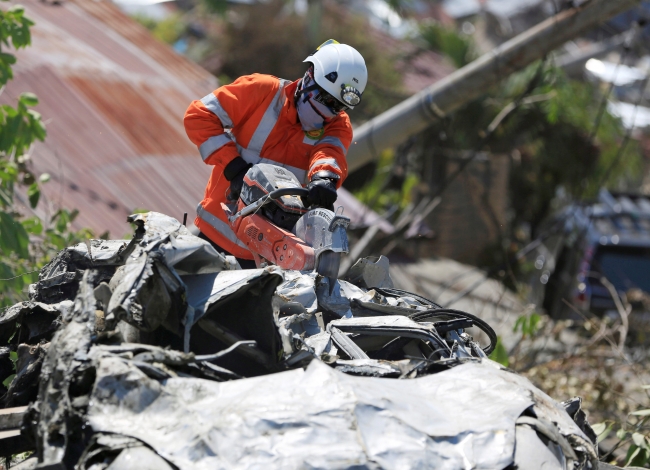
272	220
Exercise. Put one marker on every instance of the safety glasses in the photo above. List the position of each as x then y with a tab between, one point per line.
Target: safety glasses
328	100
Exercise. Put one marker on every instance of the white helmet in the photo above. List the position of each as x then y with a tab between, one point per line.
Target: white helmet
340	70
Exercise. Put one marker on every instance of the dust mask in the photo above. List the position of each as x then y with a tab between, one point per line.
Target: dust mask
312	114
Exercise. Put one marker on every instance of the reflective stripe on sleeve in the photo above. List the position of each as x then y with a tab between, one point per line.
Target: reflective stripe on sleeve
214	143
325	161
212	103
219	225
248	155
333	141
252	153
269	119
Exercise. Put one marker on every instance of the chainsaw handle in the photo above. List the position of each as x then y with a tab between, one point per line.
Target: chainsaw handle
278	193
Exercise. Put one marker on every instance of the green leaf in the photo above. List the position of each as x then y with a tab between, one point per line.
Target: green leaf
44	178
602	430
599	428
500	354
638	439
7	58
34	194
620	434
13	237
637	456
53	238
33	225
632	453
16	10
28	99
6	382
641	413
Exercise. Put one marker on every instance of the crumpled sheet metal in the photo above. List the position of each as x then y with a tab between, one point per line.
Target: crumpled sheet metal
299	287
100	251
322	418
58	280
370	272
207	289
16	312
149	285
186	253
61	417
388	321
131	455
344	298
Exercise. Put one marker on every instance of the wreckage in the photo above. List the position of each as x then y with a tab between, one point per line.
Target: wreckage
161	353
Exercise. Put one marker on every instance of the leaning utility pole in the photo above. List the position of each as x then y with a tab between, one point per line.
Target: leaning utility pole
457	89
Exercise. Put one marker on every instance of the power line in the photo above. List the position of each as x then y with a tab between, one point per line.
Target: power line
20	275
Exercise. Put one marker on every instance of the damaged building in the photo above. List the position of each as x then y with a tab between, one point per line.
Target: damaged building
159	352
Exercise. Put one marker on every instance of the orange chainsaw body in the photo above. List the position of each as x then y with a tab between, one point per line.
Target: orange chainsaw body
268	242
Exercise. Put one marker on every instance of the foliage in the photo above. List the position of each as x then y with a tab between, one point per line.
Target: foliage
26	243
500	354
216	6
546	123
591	359
459	48
387	189
167	30
280	46
528	325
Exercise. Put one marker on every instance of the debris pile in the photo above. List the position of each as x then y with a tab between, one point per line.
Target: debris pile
159	352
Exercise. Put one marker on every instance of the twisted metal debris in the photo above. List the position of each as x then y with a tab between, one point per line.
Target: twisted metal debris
159	352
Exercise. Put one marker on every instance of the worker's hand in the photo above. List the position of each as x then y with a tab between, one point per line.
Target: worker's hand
235	172
322	192
236	186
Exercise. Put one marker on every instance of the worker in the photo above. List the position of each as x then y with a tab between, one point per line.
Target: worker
301	126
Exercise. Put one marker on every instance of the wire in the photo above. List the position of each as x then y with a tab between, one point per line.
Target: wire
20	275
481	324
532	84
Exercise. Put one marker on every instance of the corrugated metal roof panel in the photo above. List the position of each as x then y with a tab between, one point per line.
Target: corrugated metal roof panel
113	100
62	29
116	21
135	114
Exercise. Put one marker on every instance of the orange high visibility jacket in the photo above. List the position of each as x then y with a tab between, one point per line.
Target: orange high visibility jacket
255	117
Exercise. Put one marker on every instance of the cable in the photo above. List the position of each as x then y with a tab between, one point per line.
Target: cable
426	315
20	275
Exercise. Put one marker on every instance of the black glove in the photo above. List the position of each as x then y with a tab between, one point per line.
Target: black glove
235	172
322	192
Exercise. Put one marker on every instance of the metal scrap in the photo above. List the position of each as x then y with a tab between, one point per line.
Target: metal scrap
461	418
370	272
149	365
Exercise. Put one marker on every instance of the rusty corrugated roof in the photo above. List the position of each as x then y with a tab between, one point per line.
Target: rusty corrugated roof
113	99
